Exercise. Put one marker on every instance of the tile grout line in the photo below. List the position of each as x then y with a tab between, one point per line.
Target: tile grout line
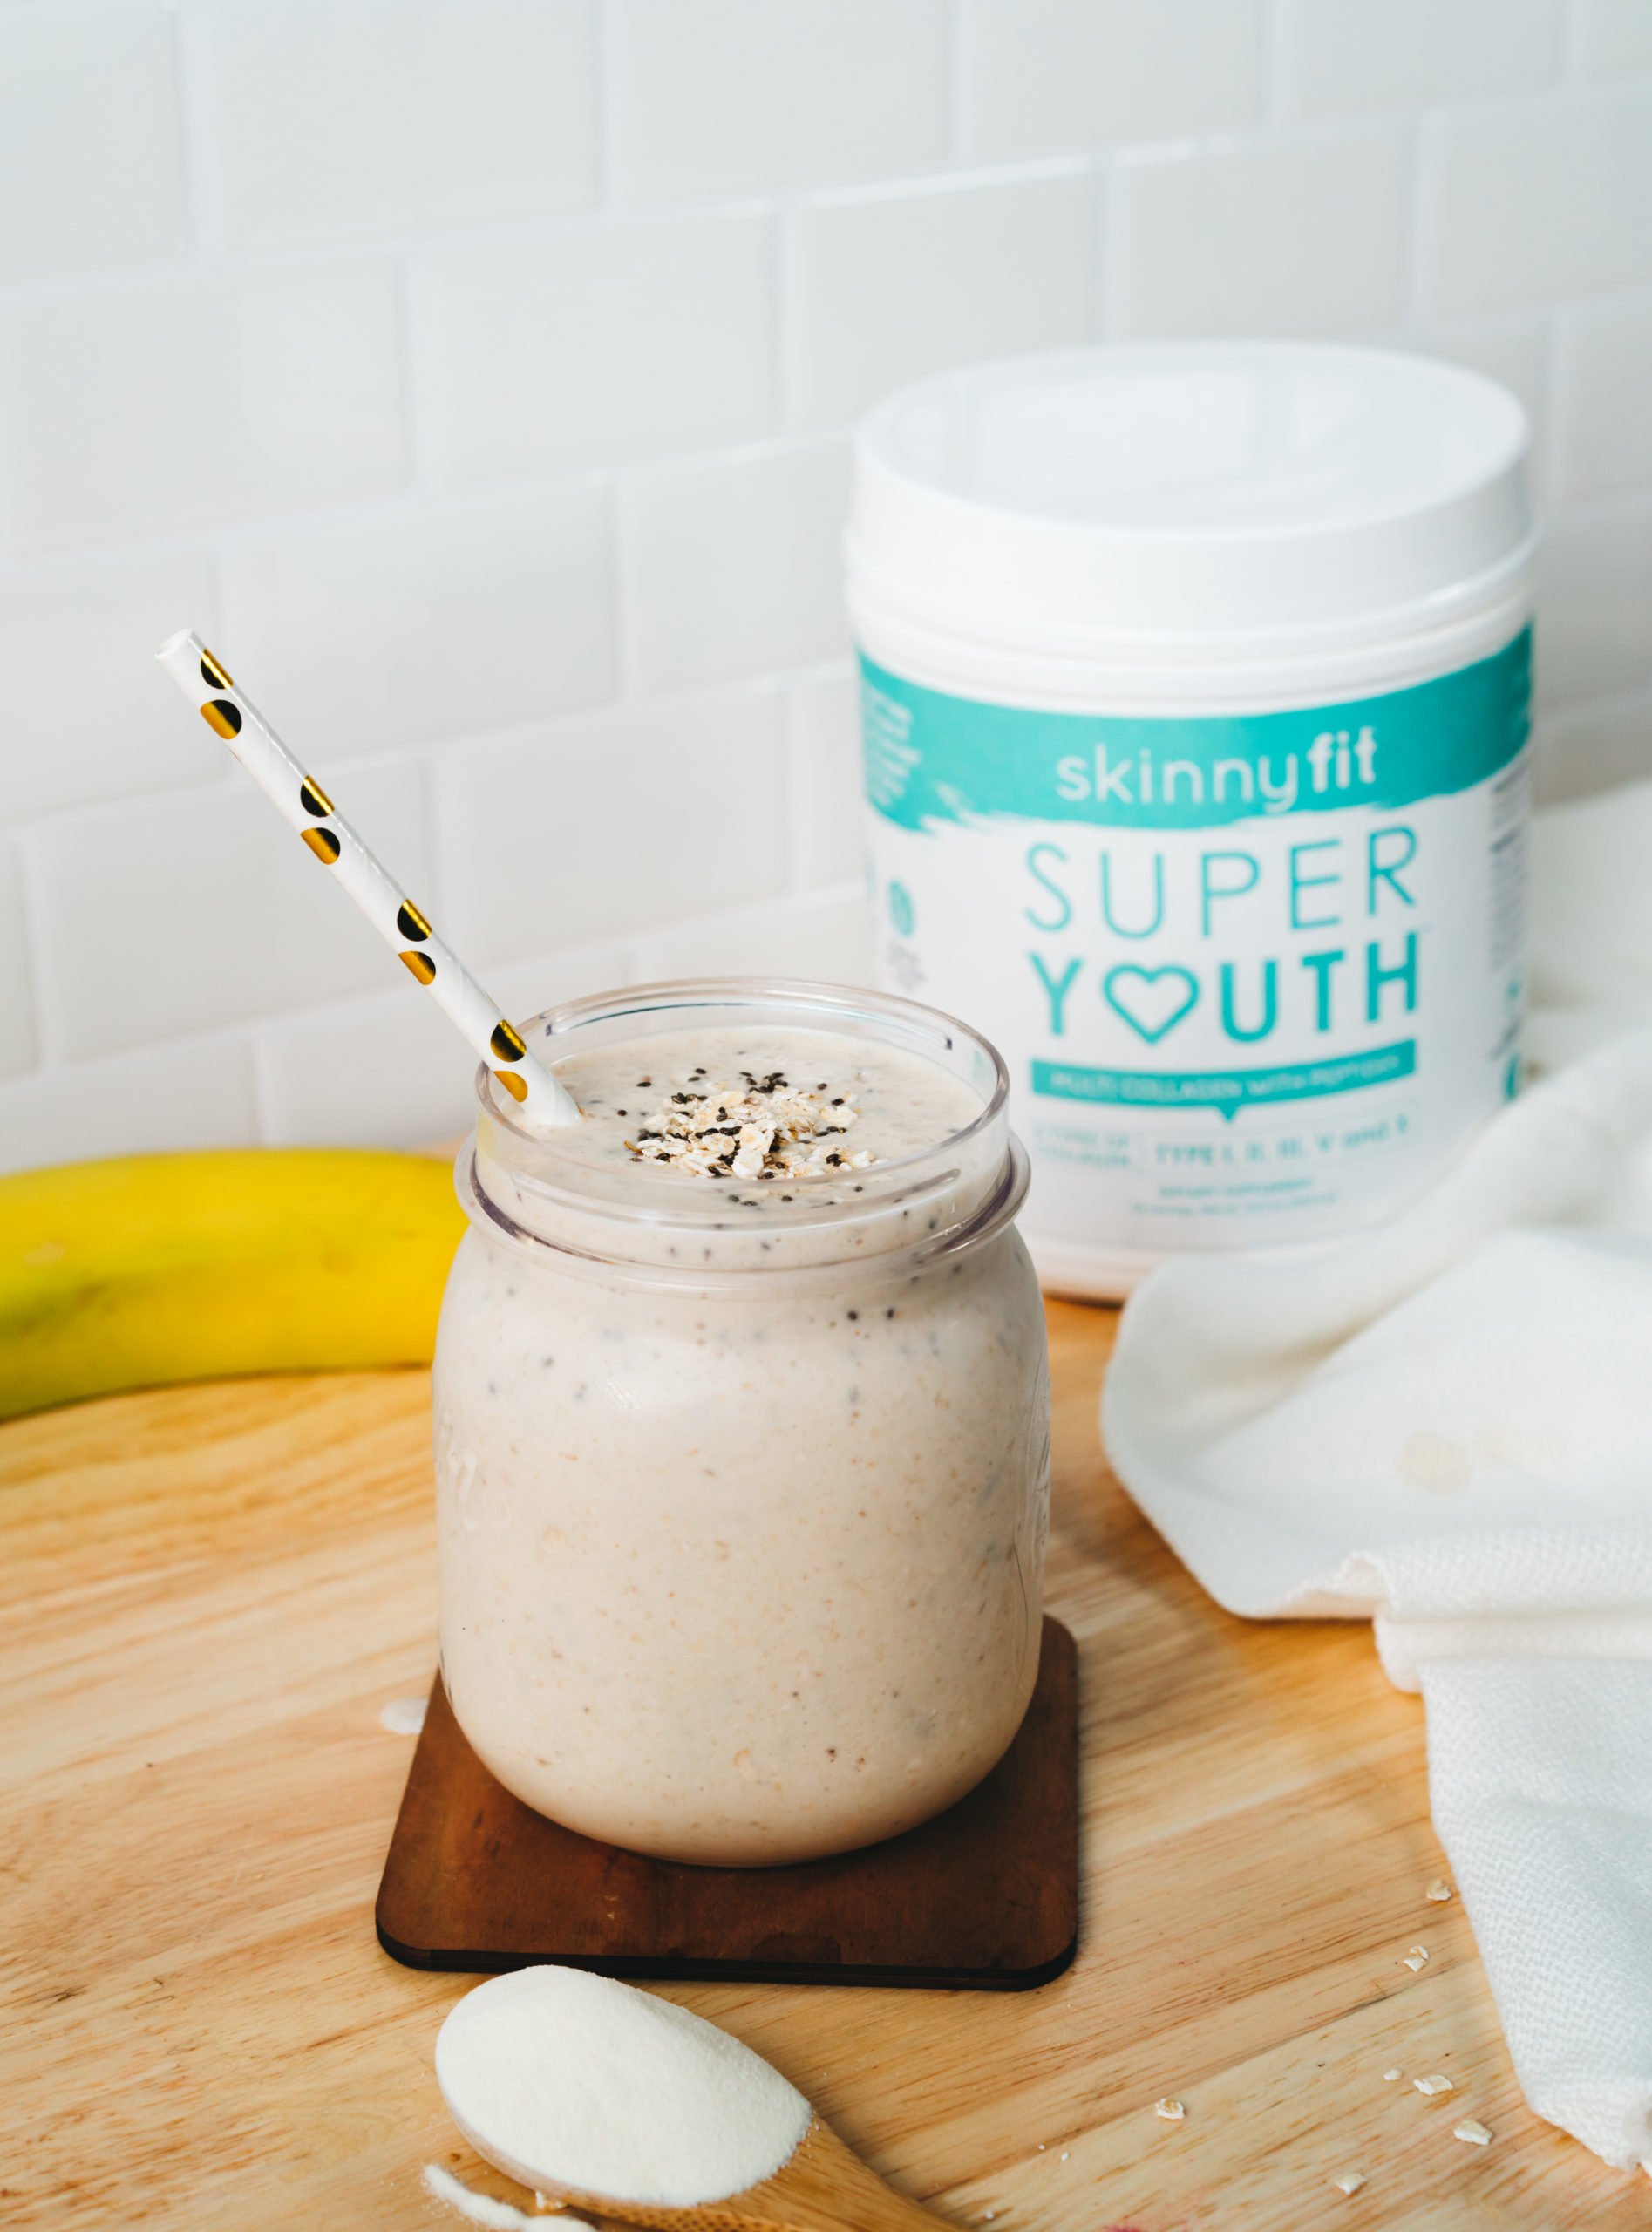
1415	227
193	158
792	786
47	1037
419	476
956	65
604	73
1275	107
215	257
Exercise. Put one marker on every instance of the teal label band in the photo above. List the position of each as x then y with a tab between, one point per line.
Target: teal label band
933	760
1225	1091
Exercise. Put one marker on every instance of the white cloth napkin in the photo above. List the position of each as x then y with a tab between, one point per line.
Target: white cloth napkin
1446	1425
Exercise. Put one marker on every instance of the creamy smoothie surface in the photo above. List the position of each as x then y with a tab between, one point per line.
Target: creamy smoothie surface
748	1572
747	1107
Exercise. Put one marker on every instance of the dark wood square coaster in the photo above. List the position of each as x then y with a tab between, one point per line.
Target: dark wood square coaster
983	1898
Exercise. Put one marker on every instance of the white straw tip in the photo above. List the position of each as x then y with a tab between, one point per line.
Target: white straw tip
176	642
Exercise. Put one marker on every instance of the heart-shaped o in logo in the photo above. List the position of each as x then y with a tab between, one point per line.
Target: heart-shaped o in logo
1151	1001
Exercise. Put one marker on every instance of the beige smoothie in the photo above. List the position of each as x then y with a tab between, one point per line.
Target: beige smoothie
741	1413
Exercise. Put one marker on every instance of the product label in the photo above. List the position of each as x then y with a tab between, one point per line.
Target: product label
1255	978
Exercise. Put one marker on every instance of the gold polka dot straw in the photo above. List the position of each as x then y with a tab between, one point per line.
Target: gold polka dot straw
544	1103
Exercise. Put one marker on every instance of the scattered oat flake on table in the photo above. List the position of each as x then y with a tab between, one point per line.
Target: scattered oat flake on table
1432	2085
1473	2131
1439	1890
1350	2182
1416	1958
1390	2076
1171	2111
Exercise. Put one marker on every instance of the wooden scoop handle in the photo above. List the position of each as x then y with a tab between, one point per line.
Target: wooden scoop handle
823	2187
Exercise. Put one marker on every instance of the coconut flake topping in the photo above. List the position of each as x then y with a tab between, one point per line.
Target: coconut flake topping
761	1128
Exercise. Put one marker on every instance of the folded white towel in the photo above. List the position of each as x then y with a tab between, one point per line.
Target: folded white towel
1446	1425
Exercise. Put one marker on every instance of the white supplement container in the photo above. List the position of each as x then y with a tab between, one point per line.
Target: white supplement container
1194	687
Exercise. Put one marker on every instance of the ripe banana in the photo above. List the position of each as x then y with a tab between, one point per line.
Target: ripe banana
158	1268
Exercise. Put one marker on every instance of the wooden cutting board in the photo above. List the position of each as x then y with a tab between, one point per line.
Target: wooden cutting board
208	1594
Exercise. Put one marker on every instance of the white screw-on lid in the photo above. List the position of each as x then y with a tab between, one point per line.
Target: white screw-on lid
1204	500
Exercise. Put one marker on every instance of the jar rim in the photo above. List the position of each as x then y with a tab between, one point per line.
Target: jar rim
534	1174
816	1000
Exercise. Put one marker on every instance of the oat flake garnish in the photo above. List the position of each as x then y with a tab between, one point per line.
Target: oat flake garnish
1350	2182
1430	2085
760	1128
1392	2075
1439	1890
1416	1958
1171	2111
1473	2131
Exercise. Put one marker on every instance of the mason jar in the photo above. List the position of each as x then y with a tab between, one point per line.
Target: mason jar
742	1491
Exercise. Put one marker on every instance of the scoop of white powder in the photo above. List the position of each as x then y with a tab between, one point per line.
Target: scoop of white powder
567	2080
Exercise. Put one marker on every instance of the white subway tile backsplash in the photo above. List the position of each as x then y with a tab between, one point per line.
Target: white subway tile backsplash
1061	77
734	566
17	1044
1593	605
592	830
598	340
477	381
92	172
391	1071
330	118
1586	748
167	402
1304	235
86	714
423	621
1614	36
824	937
1509	349
525	989
889	286
197	1094
1527	201
723	96
386	1070
1603	435
170	916
827	797
1338	58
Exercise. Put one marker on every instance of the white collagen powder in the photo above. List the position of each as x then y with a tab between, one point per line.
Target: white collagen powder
575	2083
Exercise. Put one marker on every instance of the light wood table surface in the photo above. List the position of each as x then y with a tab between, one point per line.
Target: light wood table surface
210	1592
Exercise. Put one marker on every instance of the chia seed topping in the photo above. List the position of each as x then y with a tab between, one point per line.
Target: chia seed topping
761	1127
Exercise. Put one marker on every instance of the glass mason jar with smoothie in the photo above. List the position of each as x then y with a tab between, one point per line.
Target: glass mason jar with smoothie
742	1425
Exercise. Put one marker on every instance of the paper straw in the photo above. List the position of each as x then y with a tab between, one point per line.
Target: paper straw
307	806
